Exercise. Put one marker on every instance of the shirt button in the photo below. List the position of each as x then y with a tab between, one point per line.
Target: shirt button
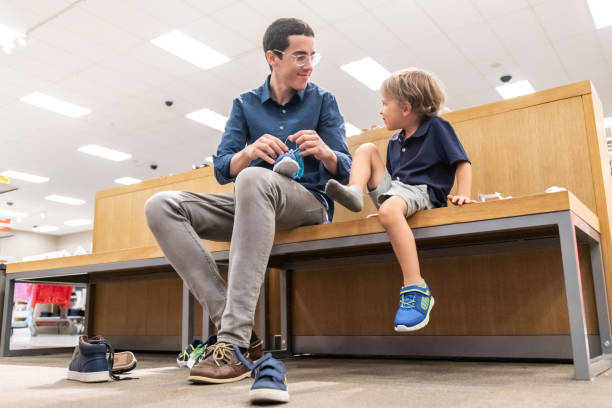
403	149
284	111
282	127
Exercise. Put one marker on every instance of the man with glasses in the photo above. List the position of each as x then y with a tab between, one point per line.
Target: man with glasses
287	110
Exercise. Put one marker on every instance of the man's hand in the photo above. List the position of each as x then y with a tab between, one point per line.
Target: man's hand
267	147
460	199
310	143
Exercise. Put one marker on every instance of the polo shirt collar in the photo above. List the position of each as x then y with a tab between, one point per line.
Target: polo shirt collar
420	132
265	91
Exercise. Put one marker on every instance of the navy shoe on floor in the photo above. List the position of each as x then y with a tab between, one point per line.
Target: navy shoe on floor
92	361
270	378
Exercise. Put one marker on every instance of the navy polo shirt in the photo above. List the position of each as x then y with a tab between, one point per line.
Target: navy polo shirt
255	113
430	156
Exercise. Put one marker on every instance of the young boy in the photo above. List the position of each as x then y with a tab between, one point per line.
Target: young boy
422	161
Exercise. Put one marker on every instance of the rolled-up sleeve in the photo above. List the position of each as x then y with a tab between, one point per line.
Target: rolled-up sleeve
332	131
233	140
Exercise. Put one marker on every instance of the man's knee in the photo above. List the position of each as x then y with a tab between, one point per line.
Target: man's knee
157	205
253	180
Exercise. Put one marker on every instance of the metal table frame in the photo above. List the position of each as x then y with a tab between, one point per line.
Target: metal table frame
571	230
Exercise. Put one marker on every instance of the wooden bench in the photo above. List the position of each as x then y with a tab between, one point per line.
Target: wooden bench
548	219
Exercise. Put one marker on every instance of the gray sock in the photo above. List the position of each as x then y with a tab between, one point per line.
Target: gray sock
349	196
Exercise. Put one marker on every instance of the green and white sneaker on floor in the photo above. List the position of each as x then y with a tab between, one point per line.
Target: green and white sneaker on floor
200	351
183	358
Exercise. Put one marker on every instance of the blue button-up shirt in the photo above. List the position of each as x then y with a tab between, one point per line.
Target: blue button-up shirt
429	156
255	113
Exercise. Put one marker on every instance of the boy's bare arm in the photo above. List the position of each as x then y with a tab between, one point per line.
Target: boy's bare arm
464	185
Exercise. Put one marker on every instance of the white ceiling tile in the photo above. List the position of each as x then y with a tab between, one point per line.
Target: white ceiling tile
406	20
519	30
175	12
450	15
369	35
242	19
210	6
332	11
564	18
336	47
496	8
583	49
221	37
273	9
598	73
605	41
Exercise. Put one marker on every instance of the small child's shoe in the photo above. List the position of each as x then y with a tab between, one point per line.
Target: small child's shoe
290	164
415	306
270	384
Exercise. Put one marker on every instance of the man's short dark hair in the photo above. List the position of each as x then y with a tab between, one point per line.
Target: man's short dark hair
277	34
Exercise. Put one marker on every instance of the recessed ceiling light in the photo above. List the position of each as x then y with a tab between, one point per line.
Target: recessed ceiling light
24	176
351	130
515	89
104	152
44	228
368	72
64	200
55	105
78	222
209	118
126	181
14	214
190	49
601	10
608	122
8	38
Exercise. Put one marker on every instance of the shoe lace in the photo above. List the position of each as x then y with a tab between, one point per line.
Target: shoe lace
221	352
110	351
408	300
266	366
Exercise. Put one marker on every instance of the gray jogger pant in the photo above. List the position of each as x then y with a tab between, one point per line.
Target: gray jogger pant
262	202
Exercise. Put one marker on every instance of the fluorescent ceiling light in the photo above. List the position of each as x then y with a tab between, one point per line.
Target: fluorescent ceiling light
24	176
104	152
126	181
208	118
64	200
190	49
368	72
209	159
351	130
78	222
8	38
44	228
601	10
14	214
515	89
608	122
55	105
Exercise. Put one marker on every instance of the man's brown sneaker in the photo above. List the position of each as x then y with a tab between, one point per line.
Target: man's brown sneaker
219	366
256	350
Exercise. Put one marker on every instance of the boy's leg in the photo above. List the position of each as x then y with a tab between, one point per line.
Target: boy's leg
367	170
178	219
416	301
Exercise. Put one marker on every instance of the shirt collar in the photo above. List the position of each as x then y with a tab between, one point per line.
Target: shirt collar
265	91
420	132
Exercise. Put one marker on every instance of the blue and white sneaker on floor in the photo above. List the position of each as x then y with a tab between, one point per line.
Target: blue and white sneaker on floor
90	361
270	379
415	306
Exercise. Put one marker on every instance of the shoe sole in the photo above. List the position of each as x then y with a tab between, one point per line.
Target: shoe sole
402	328
96	376
122	370
287	167
123	362
335	192
263	395
207	380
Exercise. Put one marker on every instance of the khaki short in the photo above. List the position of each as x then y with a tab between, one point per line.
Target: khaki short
416	197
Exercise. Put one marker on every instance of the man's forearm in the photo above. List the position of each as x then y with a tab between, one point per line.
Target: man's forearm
331	163
239	162
464	179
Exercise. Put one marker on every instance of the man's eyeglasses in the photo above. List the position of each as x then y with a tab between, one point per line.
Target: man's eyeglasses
302	59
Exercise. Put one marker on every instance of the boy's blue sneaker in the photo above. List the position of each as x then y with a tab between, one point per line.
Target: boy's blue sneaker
415	306
290	164
270	378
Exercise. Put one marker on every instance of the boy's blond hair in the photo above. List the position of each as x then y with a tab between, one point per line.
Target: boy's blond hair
419	88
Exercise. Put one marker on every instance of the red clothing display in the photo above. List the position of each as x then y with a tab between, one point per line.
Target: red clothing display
36	293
